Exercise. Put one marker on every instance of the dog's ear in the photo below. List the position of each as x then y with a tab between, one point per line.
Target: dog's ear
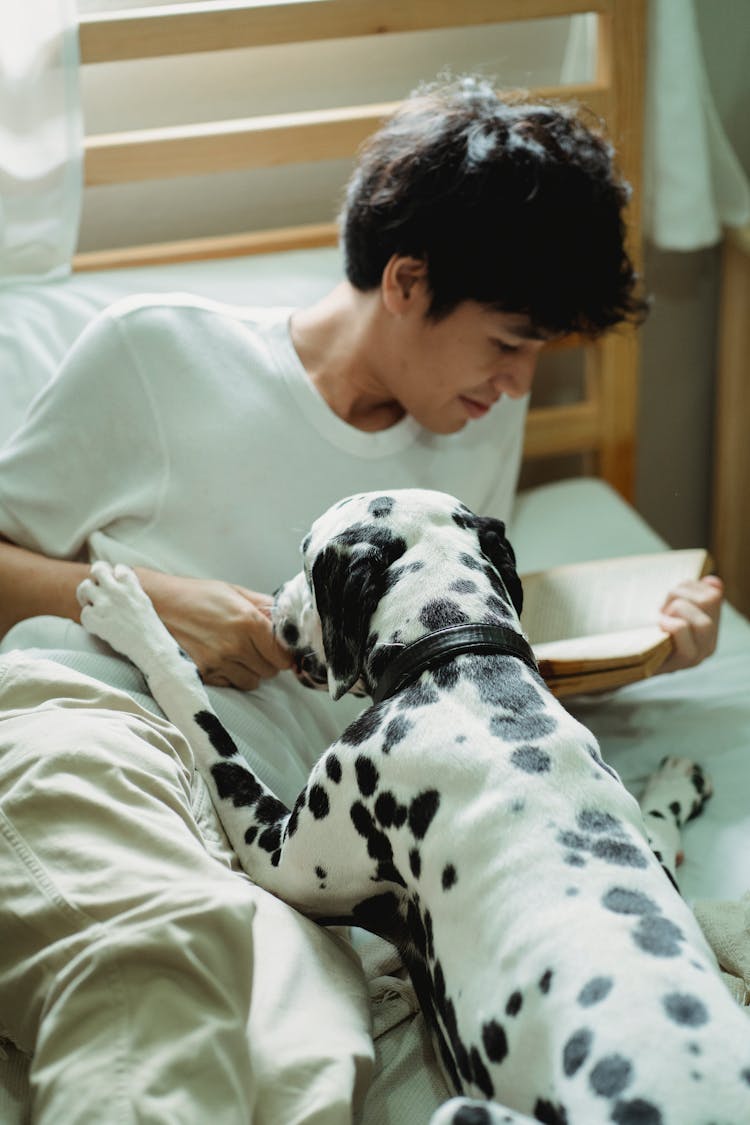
498	551
349	579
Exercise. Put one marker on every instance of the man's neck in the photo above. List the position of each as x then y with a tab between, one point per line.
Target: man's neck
339	341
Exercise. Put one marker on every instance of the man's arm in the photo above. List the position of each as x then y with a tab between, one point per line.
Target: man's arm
226	629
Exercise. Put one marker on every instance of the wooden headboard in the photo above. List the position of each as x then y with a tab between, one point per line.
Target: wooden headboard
601	424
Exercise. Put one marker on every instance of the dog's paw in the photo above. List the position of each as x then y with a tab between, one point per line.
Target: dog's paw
116	608
679	789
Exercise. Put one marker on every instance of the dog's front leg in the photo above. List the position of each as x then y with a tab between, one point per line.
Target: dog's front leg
117	609
291	855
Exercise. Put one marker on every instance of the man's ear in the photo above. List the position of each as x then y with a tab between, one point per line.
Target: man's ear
403	284
348	582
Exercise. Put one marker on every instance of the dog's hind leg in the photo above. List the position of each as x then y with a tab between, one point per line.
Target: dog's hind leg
676	793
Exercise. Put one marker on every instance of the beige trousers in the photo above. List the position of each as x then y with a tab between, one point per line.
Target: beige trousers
149	979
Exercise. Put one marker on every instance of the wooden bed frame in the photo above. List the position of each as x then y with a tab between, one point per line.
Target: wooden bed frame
601	425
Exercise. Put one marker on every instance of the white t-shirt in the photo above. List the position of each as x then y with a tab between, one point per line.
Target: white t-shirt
185	435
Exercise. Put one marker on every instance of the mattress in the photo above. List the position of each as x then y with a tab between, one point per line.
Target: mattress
703	713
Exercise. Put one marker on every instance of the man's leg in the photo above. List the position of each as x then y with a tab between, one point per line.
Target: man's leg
126	949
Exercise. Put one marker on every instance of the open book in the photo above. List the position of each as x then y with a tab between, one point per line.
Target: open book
593	625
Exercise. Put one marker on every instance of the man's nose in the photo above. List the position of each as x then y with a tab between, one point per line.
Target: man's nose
517	376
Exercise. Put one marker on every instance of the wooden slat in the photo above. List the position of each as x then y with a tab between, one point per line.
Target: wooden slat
209	26
256	142
730	517
225	146
199	249
553	431
614	361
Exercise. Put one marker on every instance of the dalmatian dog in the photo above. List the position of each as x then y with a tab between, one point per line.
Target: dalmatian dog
468	818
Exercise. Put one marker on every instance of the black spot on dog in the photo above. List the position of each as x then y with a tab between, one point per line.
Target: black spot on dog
545	981
530	759
333	768
361	819
317	802
415	862
447	675
636	1112
495	1041
442	612
449	877
270	838
549	1113
387	872
594	991
290	634
363	727
321	872
418	695
421	812
367	776
514	1005
576	1051
619	852
380	914
481	1074
276	858
250	834
269	809
381	506
389	812
685	1010
395	732
610	1076
218	736
575	859
293	821
463	586
236	782
472	1115
594	820
656	813
497	607
676	810
623	901
658	936
471	561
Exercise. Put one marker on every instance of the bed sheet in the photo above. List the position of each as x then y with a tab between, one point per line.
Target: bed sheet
702	713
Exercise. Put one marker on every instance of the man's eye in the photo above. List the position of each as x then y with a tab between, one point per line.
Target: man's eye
506	349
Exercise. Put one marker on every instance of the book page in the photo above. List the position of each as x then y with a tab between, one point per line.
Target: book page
607	596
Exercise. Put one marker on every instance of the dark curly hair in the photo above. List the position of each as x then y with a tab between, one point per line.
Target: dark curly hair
511	203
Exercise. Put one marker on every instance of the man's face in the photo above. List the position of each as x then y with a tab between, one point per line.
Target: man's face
451	371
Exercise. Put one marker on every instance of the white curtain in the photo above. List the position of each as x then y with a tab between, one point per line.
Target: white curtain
41	138
694	184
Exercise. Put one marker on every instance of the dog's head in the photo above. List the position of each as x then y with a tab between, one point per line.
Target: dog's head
330	614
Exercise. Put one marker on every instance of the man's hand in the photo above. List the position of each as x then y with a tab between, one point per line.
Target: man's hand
691	616
225	629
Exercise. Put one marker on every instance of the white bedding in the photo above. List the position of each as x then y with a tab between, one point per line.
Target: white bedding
703	713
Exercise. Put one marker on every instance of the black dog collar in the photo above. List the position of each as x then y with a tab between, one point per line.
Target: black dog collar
453	640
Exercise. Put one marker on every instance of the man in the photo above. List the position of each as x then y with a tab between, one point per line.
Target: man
197	443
